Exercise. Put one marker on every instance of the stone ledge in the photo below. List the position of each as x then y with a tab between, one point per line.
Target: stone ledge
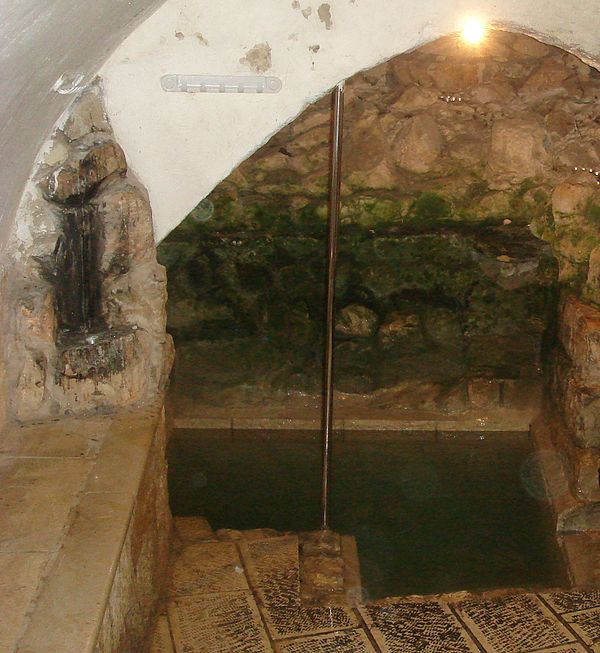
514	426
101	589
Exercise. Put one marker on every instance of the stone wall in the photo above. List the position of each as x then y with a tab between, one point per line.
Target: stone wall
470	244
86	330
141	573
462	186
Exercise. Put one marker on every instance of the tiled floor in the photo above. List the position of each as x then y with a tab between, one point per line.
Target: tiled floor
243	597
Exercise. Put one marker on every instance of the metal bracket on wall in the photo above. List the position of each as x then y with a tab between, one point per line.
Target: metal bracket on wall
220	84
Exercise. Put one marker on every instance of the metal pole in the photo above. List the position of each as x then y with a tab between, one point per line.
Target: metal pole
332	250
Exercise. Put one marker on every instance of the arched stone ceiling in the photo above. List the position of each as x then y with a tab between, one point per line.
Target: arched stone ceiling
182	145
39	43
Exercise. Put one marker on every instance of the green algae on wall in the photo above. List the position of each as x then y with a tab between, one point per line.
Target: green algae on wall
445	300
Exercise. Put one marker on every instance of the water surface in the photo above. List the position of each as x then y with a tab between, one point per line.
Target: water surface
428	515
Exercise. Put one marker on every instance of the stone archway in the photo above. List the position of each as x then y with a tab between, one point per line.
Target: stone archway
182	146
497	150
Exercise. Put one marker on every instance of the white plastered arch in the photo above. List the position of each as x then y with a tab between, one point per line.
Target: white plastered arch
181	145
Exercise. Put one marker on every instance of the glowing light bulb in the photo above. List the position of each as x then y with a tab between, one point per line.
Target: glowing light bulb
473	31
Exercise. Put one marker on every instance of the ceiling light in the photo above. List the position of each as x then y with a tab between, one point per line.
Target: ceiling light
473	31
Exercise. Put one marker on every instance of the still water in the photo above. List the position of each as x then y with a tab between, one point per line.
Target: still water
429	515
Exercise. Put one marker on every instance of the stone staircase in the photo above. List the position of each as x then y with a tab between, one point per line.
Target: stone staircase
261	591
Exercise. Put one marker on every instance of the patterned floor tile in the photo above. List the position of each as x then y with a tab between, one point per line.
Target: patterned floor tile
564	602
514	624
296	621
217	623
567	648
412	627
587	625
348	641
206	568
274	569
161	638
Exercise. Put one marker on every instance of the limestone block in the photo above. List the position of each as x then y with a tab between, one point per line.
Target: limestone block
91	160
579	153
356	321
406	71
498	92
452	76
44	223
517	150
142	567
469	149
579	333
58	151
585	466
547	78
381	176
418	144
27	397
365	146
399	327
142	297
580	406
529	47
87	115
483	392
571	196
36	318
124	212
415	98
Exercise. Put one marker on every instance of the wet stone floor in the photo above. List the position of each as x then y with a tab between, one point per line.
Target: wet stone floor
243	596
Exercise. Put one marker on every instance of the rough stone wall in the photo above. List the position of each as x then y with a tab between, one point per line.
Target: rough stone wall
117	353
505	130
459	165
502	139
575	394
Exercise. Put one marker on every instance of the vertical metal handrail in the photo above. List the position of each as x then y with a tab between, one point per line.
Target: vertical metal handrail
332	251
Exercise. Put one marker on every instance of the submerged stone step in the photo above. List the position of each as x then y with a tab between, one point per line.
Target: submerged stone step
274	569
193	529
207	567
161	641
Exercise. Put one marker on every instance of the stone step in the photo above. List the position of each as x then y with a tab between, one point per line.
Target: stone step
206	567
161	637
329	569
190	530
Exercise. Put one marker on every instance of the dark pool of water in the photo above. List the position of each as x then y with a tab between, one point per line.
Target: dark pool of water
428	516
